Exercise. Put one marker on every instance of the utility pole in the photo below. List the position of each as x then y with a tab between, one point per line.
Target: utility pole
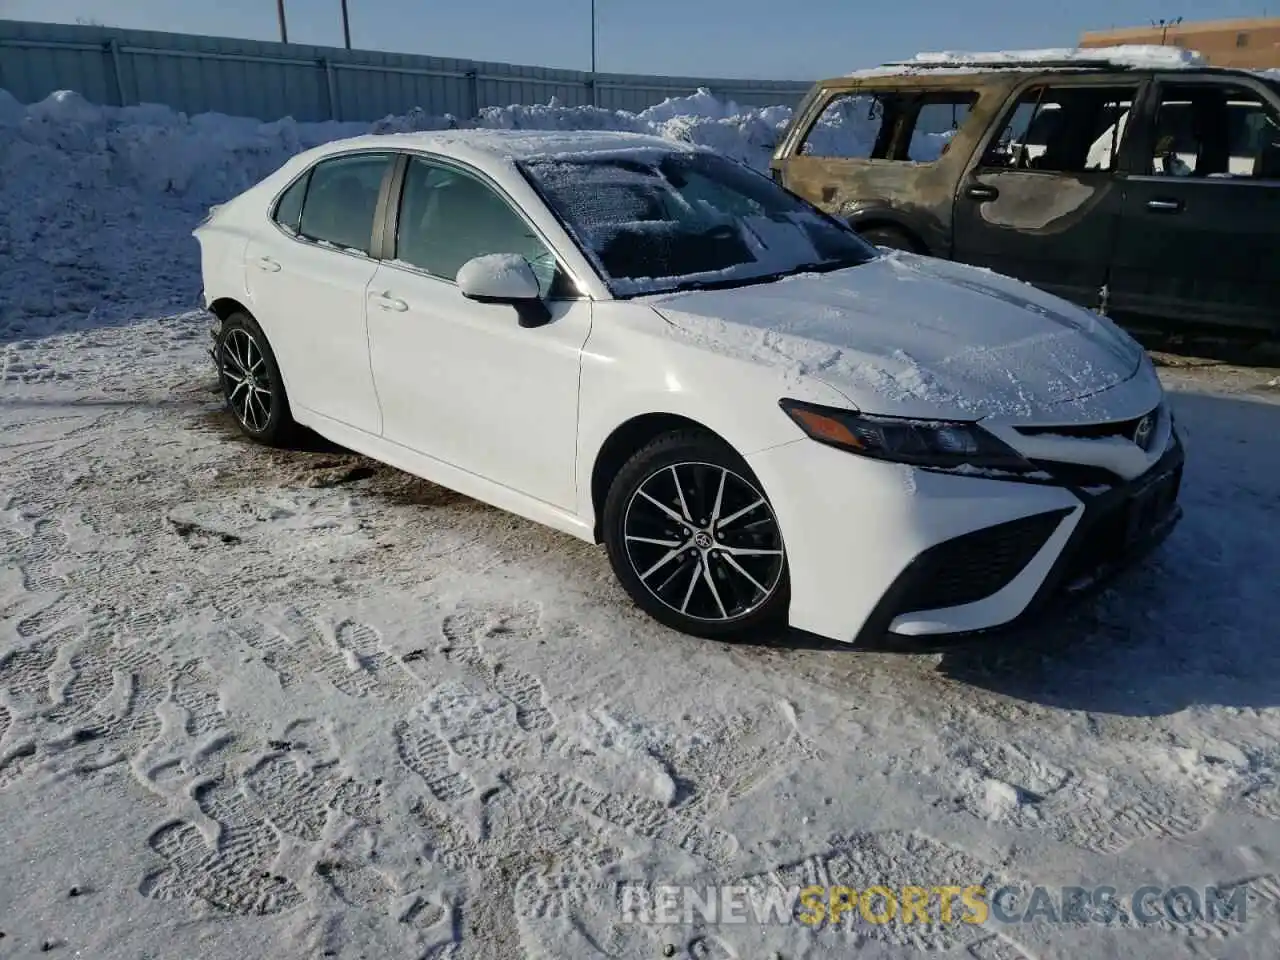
284	29
1164	26
346	25
593	37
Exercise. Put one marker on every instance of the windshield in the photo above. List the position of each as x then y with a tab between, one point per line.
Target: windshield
658	221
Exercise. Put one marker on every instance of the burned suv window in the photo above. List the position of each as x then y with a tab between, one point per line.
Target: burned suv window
937	117
852	126
1214	130
1069	129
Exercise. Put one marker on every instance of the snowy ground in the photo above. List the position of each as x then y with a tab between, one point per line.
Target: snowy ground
296	704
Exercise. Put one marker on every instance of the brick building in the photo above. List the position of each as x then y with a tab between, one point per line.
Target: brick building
1252	43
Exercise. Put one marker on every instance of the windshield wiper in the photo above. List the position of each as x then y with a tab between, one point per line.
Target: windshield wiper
825	266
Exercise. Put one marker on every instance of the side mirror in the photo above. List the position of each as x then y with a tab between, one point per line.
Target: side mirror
505	278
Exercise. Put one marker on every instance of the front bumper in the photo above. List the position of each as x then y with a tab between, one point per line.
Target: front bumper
896	557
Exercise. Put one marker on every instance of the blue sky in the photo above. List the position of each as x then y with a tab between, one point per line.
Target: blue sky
731	38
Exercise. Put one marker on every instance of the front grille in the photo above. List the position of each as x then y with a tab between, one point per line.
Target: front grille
974	566
1096	431
1105	542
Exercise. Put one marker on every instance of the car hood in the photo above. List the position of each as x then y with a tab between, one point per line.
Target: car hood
904	335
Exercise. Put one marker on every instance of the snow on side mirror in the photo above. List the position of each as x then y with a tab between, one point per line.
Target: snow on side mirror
505	278
498	278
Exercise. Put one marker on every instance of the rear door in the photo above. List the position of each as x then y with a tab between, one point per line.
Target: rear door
1042	197
1199	235
307	275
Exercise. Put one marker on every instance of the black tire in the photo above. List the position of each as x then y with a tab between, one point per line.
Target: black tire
890	237
692	577
251	383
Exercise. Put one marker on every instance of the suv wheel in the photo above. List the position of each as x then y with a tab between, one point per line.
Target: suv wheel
694	540
890	237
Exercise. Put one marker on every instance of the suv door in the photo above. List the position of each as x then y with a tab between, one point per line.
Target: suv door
1042	195
307	271
1199	234
460	381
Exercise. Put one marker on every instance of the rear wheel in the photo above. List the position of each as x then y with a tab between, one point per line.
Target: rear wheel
890	237
694	540
251	381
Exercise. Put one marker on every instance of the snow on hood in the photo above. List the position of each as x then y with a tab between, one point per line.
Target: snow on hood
913	336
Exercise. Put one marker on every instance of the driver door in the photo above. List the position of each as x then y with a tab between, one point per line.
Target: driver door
461	381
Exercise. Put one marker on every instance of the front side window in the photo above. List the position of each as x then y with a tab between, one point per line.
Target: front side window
448	217
1070	129
1215	130
658	220
852	126
341	197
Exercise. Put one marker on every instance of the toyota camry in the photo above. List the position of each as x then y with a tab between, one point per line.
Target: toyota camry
763	418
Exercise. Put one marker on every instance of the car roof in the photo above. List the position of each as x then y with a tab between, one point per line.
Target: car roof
489	148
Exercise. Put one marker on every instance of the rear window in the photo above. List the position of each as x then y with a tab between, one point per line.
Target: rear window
657	221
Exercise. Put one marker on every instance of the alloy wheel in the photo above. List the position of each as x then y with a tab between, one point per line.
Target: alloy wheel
246	380
704	541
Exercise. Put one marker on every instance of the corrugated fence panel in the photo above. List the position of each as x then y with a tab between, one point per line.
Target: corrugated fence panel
256	78
38	58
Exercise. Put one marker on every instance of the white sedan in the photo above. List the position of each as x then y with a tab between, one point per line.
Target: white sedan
764	419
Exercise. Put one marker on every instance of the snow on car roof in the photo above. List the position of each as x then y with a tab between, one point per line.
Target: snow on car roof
1132	56
520	144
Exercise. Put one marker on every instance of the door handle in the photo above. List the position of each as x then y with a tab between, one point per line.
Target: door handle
1165	206
269	265
981	191
387	302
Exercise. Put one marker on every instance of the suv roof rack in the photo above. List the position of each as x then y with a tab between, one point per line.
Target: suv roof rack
1119	57
1079	63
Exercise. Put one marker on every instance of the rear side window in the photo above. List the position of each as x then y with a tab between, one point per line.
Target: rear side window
289	206
937	118
852	126
1215	130
341	198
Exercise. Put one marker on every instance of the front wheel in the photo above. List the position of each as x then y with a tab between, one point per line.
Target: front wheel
694	540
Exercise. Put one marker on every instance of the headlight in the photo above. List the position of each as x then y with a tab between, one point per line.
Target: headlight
941	444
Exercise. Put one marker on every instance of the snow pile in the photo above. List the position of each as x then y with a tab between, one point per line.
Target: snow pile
747	134
73	173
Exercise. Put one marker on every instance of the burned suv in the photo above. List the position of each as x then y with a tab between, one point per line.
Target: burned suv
1136	181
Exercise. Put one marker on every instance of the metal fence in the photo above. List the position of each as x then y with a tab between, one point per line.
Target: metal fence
254	78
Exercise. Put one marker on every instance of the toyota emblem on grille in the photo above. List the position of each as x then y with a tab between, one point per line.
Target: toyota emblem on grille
1142	432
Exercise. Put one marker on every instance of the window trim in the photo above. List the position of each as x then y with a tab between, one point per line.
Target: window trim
299	237
386	227
1135	128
